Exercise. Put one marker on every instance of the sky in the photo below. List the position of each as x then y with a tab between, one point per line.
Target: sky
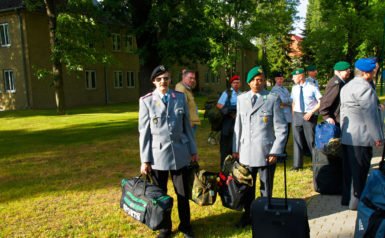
299	25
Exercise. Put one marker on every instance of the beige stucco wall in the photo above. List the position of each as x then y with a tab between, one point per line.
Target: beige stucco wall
11	59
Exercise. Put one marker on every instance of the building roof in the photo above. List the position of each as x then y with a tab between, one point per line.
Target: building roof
10	4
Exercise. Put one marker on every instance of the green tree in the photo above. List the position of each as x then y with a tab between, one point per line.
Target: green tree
342	30
73	31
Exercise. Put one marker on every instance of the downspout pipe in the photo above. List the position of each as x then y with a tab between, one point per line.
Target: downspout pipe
23	52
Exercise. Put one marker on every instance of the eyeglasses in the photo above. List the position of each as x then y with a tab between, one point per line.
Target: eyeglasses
160	79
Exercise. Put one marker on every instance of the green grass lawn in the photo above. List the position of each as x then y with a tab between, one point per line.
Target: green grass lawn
60	175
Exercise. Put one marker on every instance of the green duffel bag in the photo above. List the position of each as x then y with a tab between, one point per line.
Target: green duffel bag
145	202
204	190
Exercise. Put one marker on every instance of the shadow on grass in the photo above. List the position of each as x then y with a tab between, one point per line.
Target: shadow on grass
208	226
82	157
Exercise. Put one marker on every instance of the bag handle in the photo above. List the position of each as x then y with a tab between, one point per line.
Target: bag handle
149	178
280	157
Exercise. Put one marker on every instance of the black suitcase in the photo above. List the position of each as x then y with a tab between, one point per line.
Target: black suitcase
279	217
327	173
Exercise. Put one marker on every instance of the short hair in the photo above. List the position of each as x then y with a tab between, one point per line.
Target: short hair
187	71
357	72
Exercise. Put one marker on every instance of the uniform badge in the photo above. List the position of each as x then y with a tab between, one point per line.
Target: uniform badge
155	120
265	119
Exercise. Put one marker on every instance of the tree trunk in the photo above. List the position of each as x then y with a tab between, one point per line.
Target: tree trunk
57	69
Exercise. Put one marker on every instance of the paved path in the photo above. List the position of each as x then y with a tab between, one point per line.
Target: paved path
328	219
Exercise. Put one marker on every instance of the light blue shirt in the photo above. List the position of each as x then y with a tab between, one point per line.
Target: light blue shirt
313	80
285	97
311	96
233	100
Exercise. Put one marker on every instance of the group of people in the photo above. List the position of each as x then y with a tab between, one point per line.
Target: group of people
256	126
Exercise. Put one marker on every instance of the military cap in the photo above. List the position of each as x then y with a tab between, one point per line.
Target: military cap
341	65
278	74
160	69
365	64
311	68
235	77
298	71
257	70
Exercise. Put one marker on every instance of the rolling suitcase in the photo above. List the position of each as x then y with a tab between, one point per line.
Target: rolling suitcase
327	173
279	217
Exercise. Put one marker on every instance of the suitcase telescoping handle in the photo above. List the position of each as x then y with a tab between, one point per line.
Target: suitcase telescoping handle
280	157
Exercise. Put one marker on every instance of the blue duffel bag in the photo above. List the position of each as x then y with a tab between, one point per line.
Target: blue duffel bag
371	208
325	133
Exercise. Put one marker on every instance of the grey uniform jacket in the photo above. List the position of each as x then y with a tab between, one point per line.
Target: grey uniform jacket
166	139
259	130
360	118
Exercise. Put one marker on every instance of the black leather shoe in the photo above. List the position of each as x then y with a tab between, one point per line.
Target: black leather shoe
164	234
188	234
243	222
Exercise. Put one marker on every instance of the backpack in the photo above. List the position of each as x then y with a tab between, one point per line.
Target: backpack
215	115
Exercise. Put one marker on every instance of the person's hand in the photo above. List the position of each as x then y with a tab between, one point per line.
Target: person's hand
194	157
145	168
382	107
331	121
271	159
378	143
235	155
307	116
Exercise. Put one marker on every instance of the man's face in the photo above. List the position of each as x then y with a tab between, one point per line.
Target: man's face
279	81
313	73
345	74
299	78
257	83
162	81
189	79
236	84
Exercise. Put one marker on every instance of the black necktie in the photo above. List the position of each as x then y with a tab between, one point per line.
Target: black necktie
301	100
253	100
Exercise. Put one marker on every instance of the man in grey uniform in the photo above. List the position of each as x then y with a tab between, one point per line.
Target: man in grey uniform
260	131
360	128
167	144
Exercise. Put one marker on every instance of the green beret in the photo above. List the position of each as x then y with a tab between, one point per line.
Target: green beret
298	71
311	68
341	65
257	70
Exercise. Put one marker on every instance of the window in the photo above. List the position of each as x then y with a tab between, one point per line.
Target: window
115	42
118	79
129	43
4	35
90	79
9	81
130	79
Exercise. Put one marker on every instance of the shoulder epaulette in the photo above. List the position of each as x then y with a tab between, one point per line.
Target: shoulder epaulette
147	95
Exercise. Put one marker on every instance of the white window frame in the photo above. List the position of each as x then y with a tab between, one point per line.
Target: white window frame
4	35
116	41
9	81
90	76
129	43
130	79
118	79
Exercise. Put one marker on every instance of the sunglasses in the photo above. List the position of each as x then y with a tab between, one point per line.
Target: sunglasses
160	79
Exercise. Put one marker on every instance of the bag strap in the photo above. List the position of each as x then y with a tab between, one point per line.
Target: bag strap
375	219
382	162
